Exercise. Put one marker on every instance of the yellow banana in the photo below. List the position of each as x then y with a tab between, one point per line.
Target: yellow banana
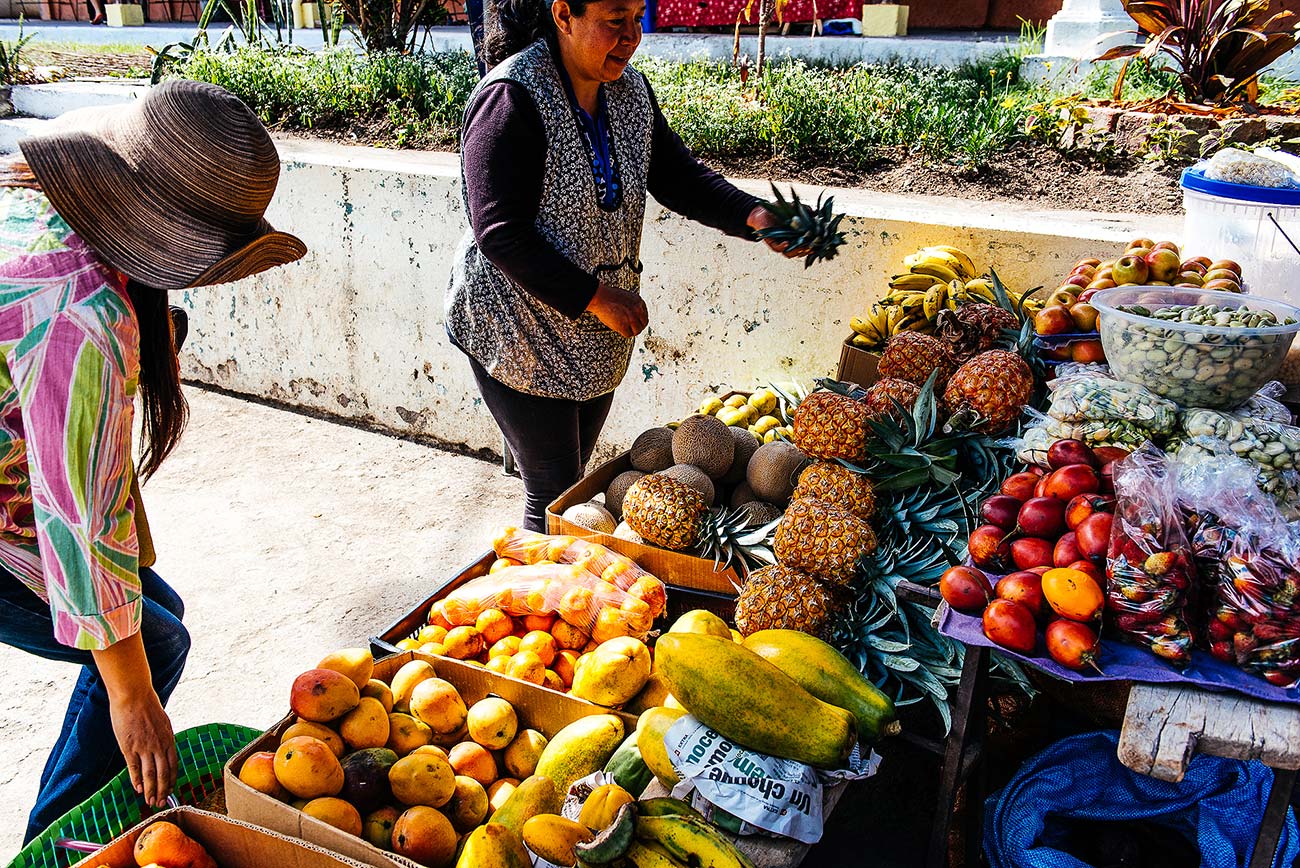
911	280
965	266
860	325
692	841
934	300
879	319
982	292
896	315
937	269
864	342
912	322
934	254
898	296
959	291
646	854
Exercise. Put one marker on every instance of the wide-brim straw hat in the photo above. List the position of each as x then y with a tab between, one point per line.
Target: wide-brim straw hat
170	189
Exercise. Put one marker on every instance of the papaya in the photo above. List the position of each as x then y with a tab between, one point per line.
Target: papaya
827	675
494	846
579	749
737	693
603	805
627	768
651	728
535	795
552	837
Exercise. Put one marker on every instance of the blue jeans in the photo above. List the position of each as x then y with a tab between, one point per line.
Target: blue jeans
86	755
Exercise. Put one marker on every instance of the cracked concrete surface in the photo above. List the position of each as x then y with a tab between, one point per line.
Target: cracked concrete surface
288	537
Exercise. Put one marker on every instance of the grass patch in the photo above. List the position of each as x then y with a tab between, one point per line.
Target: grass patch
807	115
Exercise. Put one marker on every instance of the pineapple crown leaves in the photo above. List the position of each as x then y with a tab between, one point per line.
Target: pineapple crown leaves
810	232
726	538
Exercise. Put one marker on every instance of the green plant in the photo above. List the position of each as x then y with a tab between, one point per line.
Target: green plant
12	69
392	25
1218	47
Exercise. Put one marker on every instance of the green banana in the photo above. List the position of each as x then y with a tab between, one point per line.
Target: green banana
643	854
692	841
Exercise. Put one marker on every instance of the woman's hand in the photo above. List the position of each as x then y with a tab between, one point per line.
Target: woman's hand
622	311
143	730
761	218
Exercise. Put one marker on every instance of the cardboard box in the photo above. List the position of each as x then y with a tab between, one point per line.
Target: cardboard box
231	843
672	568
884	19
857	366
543	710
124	14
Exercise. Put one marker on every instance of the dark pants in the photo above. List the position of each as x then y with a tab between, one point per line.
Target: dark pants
552	439
86	755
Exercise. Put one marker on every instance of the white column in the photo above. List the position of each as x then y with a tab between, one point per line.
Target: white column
1085	28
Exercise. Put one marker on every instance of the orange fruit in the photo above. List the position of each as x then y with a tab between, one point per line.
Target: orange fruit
504	647
539	622
165	843
541	644
563	666
494	624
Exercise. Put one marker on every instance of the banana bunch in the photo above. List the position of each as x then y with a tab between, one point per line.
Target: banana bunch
677	840
939	277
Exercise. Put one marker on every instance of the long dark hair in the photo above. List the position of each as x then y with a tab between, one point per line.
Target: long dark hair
510	26
162	400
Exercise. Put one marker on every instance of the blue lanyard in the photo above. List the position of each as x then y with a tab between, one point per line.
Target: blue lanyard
599	139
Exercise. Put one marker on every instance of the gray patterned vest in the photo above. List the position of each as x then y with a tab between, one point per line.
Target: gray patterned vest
522	342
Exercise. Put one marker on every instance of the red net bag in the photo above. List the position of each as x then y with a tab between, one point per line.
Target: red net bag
618	569
1150	595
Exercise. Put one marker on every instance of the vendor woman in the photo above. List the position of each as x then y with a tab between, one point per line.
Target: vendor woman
99	219
561	143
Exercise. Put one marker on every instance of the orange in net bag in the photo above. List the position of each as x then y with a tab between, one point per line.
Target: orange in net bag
614	567
596	607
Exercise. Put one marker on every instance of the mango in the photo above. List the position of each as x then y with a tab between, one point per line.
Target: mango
579	749
422	779
258	771
366	725
377	826
426	836
365	777
653	695
492	723
464	643
358	664
533	796
406	734
521	755
376	689
494	846
603	805
165	843
405	680
308	768
438	704
701	621
613	673
527	666
336	812
474	761
317	731
468	806
552	837
322	695
500	792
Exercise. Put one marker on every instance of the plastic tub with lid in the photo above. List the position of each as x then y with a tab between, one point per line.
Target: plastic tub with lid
1223	220
1192	365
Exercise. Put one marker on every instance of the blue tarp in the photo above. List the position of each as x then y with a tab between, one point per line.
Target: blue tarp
1218	805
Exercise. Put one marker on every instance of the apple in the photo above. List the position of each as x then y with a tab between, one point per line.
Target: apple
1222	274
1087	353
1204	261
1065	296
1084	268
1084	316
1095	263
1079	280
1054	319
1166	245
1100	283
1222	285
1142	242
1195	265
1087	294
1227	264
1130	269
1163	264
1190	278
1138	252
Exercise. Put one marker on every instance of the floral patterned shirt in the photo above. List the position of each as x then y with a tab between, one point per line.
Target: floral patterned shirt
69	369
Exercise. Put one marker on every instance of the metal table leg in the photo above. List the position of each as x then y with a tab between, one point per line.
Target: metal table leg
508	460
962	754
1270	827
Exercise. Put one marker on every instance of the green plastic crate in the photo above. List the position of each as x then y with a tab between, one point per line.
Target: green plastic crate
202	752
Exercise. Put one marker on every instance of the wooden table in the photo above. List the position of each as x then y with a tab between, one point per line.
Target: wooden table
1164	725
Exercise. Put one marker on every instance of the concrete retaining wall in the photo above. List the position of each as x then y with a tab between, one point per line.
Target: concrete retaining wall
356	329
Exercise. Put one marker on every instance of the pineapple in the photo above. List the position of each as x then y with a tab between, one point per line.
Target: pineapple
822	540
830	425
988	392
881	396
672	515
779	598
665	512
913	356
812	233
839	487
974	328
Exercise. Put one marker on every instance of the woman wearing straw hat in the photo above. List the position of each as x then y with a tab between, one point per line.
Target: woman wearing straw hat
100	218
561	144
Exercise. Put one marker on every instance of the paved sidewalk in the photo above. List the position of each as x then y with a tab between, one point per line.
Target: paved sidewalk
288	537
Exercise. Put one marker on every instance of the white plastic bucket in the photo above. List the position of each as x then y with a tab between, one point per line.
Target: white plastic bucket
1249	225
